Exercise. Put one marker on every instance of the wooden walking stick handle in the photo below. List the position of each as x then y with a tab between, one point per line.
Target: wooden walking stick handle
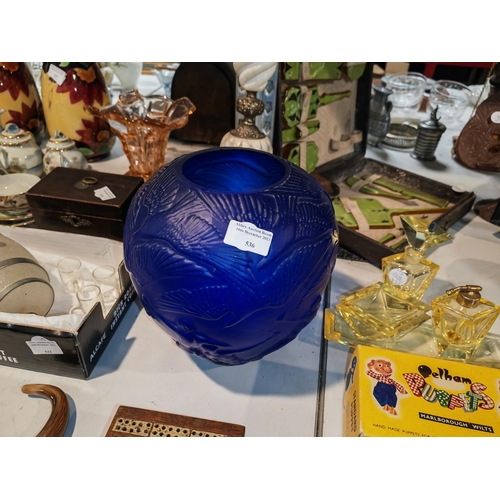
58	420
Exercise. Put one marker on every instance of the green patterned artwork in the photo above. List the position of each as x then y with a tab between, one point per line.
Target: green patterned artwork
300	131
355	72
291	71
294	100
325	70
312	155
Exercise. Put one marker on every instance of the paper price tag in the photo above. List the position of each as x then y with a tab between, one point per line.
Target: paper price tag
40	345
495	117
104	193
57	74
398	276
248	237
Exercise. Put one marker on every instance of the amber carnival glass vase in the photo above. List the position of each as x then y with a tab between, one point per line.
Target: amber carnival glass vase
143	125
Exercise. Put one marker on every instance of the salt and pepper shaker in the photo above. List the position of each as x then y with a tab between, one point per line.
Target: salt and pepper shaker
429	134
380	115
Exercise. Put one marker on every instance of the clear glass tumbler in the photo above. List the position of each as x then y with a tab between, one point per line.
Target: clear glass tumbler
70	272
106	277
88	296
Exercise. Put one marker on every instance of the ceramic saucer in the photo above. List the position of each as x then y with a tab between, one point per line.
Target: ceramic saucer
13	218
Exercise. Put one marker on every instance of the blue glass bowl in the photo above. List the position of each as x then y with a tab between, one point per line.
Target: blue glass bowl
217	299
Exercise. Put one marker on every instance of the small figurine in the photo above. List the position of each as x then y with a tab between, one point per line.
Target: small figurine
385	389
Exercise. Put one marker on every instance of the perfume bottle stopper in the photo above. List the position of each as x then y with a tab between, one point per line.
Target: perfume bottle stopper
468	295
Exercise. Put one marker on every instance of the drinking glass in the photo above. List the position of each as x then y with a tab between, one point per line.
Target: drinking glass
106	277
88	296
69	270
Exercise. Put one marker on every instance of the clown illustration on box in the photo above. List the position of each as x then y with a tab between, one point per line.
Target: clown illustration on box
385	389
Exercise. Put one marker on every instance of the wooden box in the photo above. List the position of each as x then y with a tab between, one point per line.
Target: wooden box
368	243
84	202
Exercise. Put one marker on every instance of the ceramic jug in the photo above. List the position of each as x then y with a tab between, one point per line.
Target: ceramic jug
128	73
67	88
19	151
62	152
20	99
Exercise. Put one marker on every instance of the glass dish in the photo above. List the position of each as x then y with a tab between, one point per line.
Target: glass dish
378	312
401	136
452	99
418	341
407	89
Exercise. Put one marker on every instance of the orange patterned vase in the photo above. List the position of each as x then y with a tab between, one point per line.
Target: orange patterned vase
67	88
20	100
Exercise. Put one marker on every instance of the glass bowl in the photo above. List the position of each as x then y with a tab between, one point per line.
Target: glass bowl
381	312
407	89
451	97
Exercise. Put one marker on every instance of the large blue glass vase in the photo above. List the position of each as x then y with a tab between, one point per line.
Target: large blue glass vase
230	250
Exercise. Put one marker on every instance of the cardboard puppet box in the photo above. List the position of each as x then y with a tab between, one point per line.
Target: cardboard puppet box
391	393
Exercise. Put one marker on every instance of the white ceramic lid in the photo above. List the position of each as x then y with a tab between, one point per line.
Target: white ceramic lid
59	142
12	135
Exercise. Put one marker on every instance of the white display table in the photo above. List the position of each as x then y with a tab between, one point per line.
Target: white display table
277	396
143	368
471	257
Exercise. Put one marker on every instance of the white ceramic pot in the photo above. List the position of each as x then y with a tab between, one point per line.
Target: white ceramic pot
62	152
128	73
18	150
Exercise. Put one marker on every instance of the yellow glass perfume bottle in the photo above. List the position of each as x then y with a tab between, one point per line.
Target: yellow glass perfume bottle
461	319
410	272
